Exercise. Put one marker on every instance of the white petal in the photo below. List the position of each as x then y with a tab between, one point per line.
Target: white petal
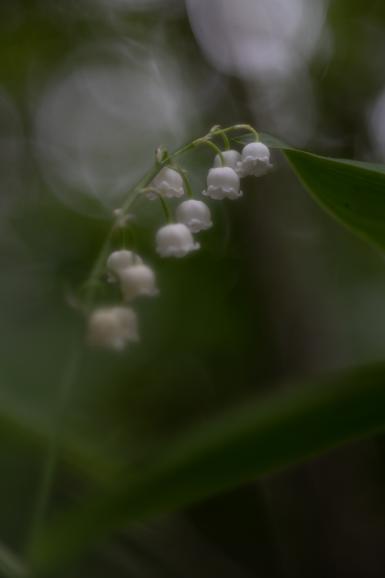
120	260
223	182
230	157
136	281
112	327
175	240
194	214
168	182
255	160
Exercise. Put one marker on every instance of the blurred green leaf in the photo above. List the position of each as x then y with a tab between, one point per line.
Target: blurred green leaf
32	428
257	439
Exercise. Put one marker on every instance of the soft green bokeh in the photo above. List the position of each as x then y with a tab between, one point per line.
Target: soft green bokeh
280	292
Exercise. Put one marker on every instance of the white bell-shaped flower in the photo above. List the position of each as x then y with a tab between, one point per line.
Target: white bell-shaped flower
168	183
255	160
136	281
175	240
231	159
194	214
112	327
222	183
118	261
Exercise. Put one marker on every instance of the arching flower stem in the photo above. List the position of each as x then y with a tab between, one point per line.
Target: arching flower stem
226	140
246	127
211	144
135	192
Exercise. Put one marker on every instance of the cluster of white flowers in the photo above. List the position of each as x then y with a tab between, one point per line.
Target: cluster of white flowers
114	326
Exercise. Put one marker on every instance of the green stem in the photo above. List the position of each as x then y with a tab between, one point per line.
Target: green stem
10	565
51	458
97	269
123	233
187	185
247	127
133	195
186	180
132	238
226	140
163	202
166	209
146	180
206	141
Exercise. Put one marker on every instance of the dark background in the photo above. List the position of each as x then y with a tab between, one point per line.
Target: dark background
278	292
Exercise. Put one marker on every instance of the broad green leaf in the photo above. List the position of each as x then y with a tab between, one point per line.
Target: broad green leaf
352	192
253	440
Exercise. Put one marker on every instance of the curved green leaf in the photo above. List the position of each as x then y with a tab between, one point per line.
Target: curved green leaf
351	191
241	446
34	429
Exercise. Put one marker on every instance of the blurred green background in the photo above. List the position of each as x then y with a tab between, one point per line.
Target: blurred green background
279	291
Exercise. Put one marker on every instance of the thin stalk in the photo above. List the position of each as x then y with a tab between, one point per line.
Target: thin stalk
187	185
206	141
162	200
69	376
132	238
144	182
247	127
186	180
226	140
10	565
51	458
97	268
133	194
8	562
166	209
123	233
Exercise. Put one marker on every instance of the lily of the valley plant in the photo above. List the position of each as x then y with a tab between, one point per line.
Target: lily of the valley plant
115	325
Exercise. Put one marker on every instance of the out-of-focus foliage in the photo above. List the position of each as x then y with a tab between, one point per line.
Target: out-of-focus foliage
279	290
252	441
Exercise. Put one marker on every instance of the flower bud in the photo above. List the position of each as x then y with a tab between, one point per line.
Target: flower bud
175	240
222	182
231	159
118	261
112	327
168	183
138	280
121	218
194	214
255	160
